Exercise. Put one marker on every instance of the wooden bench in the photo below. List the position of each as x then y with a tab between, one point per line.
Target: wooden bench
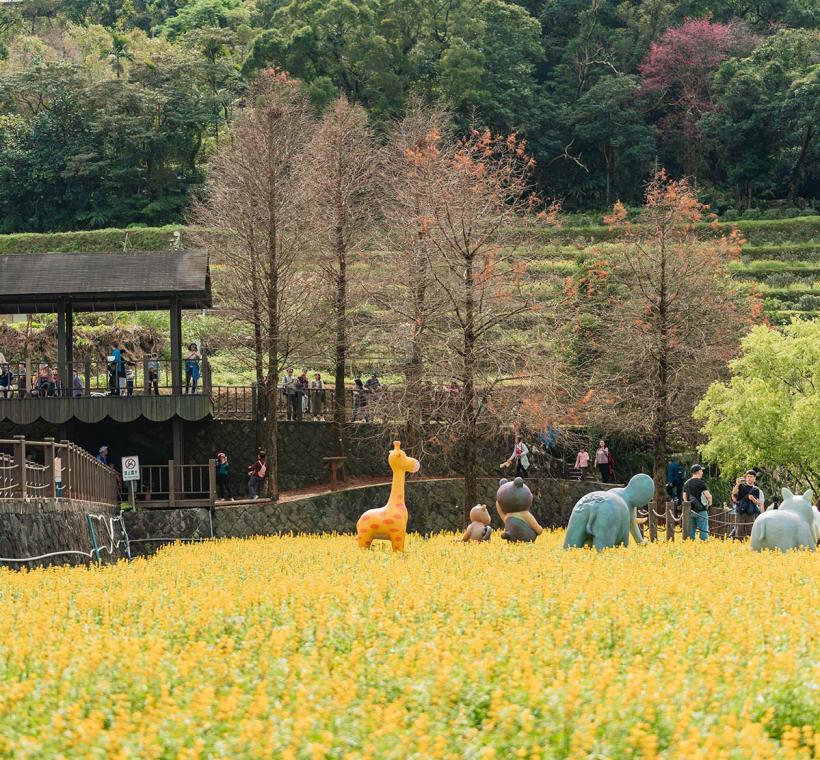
335	463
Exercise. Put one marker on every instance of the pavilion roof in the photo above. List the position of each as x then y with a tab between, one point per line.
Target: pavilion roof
139	280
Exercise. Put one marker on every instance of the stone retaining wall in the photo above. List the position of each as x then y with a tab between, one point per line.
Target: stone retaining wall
35	527
434	506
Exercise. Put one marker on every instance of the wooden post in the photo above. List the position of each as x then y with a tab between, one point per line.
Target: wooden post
20	459
206	373
29	378
176	347
146	386
653	521
212	482
87	372
686	519
65	456
48	450
670	521
172	499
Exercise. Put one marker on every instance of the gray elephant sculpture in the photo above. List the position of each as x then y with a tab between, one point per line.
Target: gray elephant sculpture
792	526
606	518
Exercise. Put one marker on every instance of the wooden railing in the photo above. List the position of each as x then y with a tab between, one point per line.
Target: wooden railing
145	376
32	469
174	485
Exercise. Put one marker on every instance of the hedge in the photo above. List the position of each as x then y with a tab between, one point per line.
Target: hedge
806	252
134	238
756	232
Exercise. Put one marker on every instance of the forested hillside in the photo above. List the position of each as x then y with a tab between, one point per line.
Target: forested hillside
109	110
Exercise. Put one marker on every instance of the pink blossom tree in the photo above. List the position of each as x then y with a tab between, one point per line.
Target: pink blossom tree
679	68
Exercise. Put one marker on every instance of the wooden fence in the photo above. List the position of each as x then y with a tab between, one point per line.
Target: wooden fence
33	469
174	485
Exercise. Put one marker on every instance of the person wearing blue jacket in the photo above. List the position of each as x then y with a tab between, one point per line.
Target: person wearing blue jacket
674	481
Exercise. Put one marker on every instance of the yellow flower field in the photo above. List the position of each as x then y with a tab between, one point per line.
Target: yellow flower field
311	648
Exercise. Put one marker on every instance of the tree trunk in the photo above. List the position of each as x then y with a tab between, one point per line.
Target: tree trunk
415	371
469	409
339	406
271	381
661	421
797	172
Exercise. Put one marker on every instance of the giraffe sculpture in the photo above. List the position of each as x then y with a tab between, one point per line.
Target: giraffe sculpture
390	521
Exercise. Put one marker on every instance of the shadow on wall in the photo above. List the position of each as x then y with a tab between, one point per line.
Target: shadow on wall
434	505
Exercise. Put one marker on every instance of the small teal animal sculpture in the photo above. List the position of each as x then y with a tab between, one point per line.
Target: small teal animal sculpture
606	518
792	526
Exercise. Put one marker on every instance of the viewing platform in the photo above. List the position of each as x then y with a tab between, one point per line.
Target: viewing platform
120	387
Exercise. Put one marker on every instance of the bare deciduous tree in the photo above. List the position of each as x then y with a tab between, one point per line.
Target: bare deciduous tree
256	198
674	320
340	166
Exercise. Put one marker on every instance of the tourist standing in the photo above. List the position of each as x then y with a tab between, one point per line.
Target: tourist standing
602	461
77	386
223	477
302	386
256	472
746	498
292	400
153	374
192	371
519	456
116	369
700	499
130	377
5	378
102	455
359	399
317	394
582	463
22	380
674	477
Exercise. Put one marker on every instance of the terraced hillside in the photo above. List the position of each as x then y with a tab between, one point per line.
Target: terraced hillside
781	258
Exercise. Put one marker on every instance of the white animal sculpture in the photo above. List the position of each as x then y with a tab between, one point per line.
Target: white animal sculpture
794	526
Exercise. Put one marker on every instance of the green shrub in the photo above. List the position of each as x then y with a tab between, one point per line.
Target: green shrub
791	212
807	212
751	213
730	215
772	213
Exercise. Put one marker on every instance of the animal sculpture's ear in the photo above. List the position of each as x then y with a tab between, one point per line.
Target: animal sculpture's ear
518	482
786	493
503	481
809	496
770	508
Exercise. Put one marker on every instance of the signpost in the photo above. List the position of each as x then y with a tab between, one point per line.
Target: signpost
130	475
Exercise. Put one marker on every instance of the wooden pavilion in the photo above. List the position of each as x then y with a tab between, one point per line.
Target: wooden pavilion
68	283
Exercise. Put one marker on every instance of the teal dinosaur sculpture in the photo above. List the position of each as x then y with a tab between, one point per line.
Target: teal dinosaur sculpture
606	518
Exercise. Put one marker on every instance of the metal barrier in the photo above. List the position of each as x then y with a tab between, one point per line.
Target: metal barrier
32	469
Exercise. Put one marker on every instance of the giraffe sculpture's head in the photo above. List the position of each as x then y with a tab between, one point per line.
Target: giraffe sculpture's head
400	462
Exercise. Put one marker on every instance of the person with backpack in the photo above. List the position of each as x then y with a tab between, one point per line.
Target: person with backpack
699	498
747	501
674	481
257	472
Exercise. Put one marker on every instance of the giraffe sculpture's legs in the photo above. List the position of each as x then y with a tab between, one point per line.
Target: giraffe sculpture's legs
397	541
364	539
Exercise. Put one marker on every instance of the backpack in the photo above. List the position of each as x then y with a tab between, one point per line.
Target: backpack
262	471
